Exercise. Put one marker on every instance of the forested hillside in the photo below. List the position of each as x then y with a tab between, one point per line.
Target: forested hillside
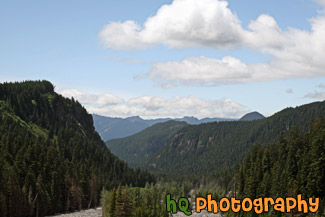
212	148
141	147
208	149
51	158
295	165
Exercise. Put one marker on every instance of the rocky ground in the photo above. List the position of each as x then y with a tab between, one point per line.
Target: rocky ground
84	213
98	213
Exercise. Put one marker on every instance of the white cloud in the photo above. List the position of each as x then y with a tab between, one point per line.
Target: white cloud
91	99
228	70
192	23
181	24
152	107
295	53
207	23
265	34
200	70
156	106
122	36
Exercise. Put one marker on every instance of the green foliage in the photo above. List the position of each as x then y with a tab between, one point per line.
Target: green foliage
104	200
211	149
112	203
212	152
146	144
295	165
142	202
51	158
123	205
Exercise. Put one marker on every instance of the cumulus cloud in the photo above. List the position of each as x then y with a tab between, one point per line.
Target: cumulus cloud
192	23
152	107
265	34
228	70
183	23
122	36
91	99
156	106
294	53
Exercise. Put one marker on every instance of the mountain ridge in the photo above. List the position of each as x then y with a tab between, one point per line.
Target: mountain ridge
51	158
211	148
252	116
114	128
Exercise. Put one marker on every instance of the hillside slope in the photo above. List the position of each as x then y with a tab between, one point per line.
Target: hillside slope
51	158
208	149
141	147
294	165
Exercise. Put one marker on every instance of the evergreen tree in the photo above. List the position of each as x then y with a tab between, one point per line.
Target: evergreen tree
112	204
48	146
293	166
124	205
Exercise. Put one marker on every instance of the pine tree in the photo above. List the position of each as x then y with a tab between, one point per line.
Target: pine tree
112	204
124	206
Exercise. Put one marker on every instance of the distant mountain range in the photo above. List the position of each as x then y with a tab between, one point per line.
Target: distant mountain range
210	148
113	128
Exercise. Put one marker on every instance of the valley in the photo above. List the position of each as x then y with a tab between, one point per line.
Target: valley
53	160
210	148
144	108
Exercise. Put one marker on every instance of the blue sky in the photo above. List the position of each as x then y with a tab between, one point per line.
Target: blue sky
204	58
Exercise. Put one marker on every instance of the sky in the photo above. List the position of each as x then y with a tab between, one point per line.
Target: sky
169	58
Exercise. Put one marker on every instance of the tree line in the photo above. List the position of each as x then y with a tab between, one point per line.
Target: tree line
149	201
295	165
51	158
